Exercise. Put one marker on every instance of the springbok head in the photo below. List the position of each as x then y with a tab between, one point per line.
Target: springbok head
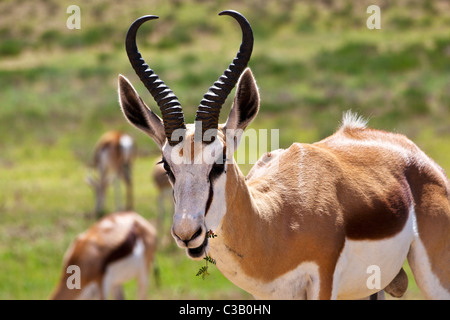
194	155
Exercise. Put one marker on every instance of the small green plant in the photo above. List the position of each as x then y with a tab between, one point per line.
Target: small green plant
203	271
211	234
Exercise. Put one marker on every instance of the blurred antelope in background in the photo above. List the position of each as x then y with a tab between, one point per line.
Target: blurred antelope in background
162	183
113	159
308	221
118	248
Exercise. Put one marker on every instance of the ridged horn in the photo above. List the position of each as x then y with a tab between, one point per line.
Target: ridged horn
209	109
171	111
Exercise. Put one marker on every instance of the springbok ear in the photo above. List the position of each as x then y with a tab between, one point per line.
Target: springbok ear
245	106
138	114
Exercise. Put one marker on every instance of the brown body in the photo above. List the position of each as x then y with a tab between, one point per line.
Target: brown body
117	248
113	159
359	184
361	194
309	222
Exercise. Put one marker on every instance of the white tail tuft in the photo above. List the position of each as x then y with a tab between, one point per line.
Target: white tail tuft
351	120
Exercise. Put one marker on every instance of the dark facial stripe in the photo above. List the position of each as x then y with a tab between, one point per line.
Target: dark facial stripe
169	172
216	171
210	197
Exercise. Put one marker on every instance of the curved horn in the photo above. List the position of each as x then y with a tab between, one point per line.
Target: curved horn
209	108
172	113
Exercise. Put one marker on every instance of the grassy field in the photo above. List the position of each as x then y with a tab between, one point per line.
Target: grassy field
312	60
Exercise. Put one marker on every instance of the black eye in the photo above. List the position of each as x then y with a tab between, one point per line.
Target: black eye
217	170
168	170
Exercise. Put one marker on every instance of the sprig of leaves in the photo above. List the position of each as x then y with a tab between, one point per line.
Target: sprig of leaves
211	234
203	271
209	259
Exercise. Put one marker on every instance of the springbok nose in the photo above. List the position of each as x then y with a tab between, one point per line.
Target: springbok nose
193	237
188	231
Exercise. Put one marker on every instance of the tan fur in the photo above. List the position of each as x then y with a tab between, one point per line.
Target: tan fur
91	249
306	216
432	203
341	187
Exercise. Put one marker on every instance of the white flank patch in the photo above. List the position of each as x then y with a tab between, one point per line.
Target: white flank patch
357	258
117	273
126	268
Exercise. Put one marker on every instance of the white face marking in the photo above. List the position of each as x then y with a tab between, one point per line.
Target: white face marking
218	206
192	188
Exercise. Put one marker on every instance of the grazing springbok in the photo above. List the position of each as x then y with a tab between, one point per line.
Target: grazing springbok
119	247
309	222
113	159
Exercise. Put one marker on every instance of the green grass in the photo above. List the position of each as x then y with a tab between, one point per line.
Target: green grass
45	204
312	61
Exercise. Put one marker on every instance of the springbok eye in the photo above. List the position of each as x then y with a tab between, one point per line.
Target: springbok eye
217	169
168	170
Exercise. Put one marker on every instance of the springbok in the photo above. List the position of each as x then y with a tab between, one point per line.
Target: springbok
309	221
116	249
113	159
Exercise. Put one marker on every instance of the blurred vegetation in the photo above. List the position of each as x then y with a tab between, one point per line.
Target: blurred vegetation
313	60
